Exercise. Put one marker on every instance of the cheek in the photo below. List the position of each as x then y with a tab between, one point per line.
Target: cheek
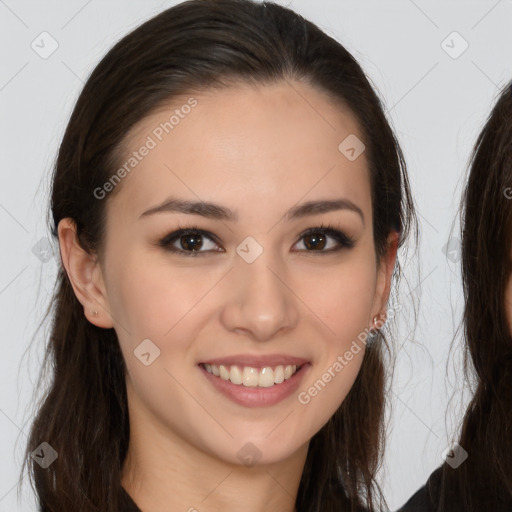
148	299
343	297
137	302
331	379
344	305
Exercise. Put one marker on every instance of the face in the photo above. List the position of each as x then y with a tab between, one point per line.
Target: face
248	287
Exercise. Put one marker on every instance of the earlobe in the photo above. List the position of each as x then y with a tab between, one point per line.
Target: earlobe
85	275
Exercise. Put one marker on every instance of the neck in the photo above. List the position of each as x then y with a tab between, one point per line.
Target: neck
162	471
203	484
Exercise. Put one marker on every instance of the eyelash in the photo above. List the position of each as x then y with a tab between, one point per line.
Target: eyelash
344	241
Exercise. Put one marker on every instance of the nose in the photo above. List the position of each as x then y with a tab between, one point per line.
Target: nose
259	302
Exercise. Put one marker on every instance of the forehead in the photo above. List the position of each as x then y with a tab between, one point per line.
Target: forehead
278	142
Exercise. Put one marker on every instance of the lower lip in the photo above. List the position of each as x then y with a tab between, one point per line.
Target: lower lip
257	396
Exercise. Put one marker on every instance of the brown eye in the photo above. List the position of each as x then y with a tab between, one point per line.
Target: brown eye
189	242
317	240
194	241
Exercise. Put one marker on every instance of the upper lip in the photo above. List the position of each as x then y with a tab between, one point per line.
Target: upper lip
257	361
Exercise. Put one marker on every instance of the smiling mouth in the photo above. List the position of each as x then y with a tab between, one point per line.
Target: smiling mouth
248	376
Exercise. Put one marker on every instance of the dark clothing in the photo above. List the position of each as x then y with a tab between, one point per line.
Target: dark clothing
437	495
128	504
426	498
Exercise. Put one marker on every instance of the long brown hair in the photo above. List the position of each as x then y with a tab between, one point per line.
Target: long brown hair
194	46
484	480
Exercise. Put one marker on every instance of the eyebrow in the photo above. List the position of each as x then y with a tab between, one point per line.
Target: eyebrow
218	212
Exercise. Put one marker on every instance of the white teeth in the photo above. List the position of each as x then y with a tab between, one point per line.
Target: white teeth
266	377
223	372
235	375
252	377
279	374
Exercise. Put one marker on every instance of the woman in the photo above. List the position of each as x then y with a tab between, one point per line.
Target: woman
479	475
228	199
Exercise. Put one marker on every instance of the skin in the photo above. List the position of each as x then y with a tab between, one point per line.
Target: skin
258	151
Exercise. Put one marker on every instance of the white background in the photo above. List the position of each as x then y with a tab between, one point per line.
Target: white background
437	105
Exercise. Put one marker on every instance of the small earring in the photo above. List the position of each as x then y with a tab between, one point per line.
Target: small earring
373	331
94	313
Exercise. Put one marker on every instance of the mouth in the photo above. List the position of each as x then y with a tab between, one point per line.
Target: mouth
252	377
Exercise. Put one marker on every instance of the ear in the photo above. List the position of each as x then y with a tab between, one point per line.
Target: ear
85	275
385	269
